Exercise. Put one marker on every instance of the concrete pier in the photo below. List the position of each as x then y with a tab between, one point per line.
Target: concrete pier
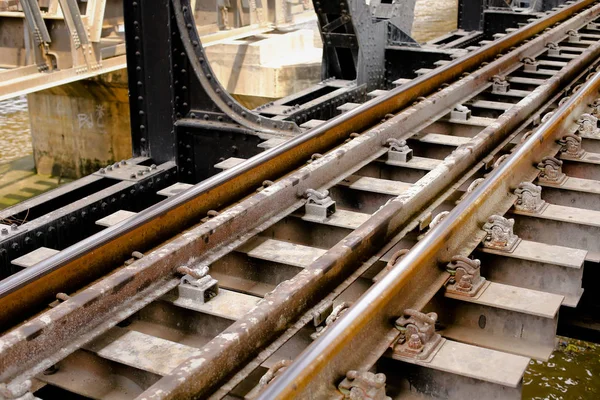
79	127
261	68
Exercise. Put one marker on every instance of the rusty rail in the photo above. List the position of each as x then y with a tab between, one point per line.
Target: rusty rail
27	291
288	300
366	326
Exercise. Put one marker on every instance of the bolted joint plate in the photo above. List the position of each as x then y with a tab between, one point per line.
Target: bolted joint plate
126	171
8	231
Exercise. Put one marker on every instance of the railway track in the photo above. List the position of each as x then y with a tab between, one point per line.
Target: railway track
226	305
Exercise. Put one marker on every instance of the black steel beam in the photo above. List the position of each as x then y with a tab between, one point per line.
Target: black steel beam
148	41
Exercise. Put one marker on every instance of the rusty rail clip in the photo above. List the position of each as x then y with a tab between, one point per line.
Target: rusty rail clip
571	146
466	279
418	338
529	64
363	385
529	198
197	285
551	171
500	234
319	206
553	49
588	126
500	85
335	314
573	36
460	113
399	150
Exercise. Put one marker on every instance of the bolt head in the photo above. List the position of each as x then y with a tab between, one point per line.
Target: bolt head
415	342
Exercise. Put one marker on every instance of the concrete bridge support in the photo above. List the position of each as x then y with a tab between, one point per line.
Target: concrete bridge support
80	127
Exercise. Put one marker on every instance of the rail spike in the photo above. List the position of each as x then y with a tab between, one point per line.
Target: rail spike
571	146
466	278
418	338
500	234
551	171
529	198
363	385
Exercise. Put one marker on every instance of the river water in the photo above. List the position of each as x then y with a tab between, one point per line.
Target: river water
15	138
433	18
573	371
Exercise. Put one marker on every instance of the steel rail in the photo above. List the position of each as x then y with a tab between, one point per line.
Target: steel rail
49	337
199	375
91	258
368	320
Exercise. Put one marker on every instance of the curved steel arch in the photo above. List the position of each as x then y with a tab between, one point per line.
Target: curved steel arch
211	87
171	83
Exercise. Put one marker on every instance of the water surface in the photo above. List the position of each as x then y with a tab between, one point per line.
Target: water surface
15	137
